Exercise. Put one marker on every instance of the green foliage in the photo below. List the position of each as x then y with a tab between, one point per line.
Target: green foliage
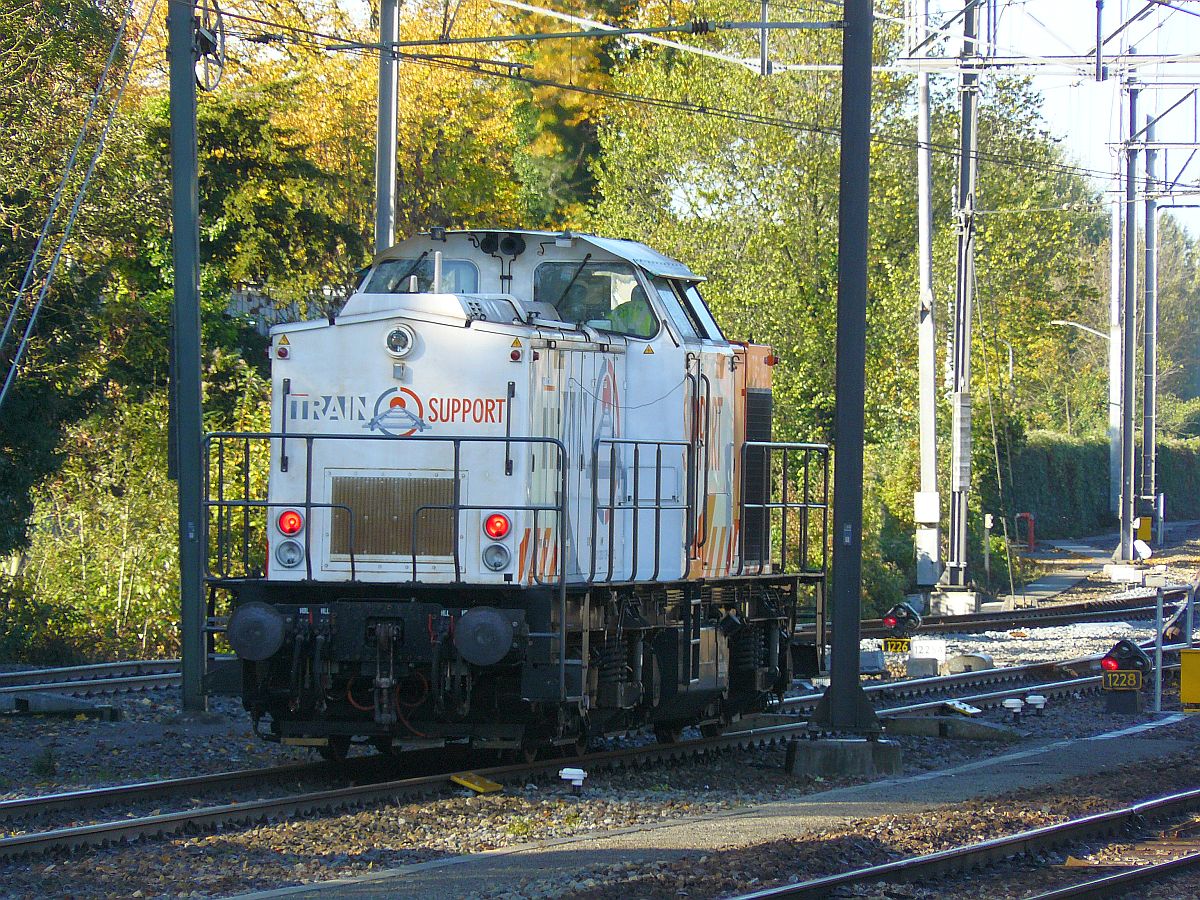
102	544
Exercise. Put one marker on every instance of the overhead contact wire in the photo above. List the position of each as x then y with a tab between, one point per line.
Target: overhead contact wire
79	197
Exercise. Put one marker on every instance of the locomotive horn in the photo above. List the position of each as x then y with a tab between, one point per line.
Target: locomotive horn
255	631
512	245
484	635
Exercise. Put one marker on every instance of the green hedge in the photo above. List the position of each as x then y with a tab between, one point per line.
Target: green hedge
1063	481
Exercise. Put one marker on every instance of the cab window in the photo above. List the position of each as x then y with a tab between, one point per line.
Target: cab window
676	312
606	296
394	276
694	304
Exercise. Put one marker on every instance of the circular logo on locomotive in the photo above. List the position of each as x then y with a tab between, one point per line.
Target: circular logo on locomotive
398	412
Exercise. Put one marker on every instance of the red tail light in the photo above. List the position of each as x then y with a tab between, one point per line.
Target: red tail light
290	522
496	526
1108	664
891	621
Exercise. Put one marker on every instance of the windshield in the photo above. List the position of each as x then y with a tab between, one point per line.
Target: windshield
602	295
394	276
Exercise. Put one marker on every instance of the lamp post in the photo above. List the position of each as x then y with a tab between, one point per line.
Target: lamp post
1114	410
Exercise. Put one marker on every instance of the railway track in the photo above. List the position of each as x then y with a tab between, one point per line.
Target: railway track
102	678
1141	607
1049	837
768	729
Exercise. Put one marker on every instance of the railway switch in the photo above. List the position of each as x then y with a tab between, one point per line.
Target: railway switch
1123	671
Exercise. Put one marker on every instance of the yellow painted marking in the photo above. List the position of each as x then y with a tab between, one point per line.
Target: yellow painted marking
477	783
283	341
305	741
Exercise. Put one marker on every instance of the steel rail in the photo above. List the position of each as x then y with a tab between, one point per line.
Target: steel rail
1056	614
253	811
1119	883
98	686
26	807
991	851
94	672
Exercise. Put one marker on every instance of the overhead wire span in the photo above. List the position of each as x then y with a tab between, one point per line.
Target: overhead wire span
15	364
68	168
505	69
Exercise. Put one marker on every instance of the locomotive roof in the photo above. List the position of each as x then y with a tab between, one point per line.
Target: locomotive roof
632	251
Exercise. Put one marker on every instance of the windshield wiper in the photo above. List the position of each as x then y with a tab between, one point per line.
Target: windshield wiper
570	284
404	278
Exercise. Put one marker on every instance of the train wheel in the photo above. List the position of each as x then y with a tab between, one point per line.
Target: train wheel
667	734
337	749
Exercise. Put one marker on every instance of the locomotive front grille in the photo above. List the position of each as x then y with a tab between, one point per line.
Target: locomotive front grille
383	509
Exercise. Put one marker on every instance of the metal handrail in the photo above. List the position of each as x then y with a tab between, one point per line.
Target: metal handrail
804	506
636	508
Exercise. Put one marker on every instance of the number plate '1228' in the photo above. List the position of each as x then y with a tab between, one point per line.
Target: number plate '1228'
1122	680
896	645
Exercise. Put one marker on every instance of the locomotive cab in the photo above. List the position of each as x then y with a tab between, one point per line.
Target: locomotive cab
521	490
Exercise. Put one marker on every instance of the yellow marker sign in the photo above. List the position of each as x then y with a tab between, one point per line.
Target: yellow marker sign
516	342
477	783
897	645
1189	680
1122	680
283	341
649	351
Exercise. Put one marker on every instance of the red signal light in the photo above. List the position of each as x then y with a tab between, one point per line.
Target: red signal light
290	522
496	526
891	621
1108	664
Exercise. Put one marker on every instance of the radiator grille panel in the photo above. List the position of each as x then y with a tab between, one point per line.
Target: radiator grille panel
382	510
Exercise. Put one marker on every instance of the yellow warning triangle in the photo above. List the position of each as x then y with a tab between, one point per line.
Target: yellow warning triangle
649	351
516	342
284	342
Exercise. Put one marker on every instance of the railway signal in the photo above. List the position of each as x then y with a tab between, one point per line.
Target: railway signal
901	622
1123	671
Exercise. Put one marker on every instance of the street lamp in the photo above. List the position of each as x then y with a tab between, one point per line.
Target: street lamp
1114	408
1087	328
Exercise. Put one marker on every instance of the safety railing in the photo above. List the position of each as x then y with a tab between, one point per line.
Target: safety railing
239	523
791	511
619	452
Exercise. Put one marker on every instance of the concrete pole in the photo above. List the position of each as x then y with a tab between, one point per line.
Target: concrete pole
927	504
1129	337
960	474
844	706
1114	361
385	145
185	387
1150	333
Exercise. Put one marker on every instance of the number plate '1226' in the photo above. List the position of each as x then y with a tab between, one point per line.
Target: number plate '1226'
896	645
1122	680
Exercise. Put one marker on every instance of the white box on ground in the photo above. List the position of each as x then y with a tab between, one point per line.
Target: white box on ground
969	662
928	648
922	667
871	662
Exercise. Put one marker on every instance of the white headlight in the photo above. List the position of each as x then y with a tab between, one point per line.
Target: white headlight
496	557
289	554
400	341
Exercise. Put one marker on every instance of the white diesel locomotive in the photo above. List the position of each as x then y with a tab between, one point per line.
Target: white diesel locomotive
521	491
